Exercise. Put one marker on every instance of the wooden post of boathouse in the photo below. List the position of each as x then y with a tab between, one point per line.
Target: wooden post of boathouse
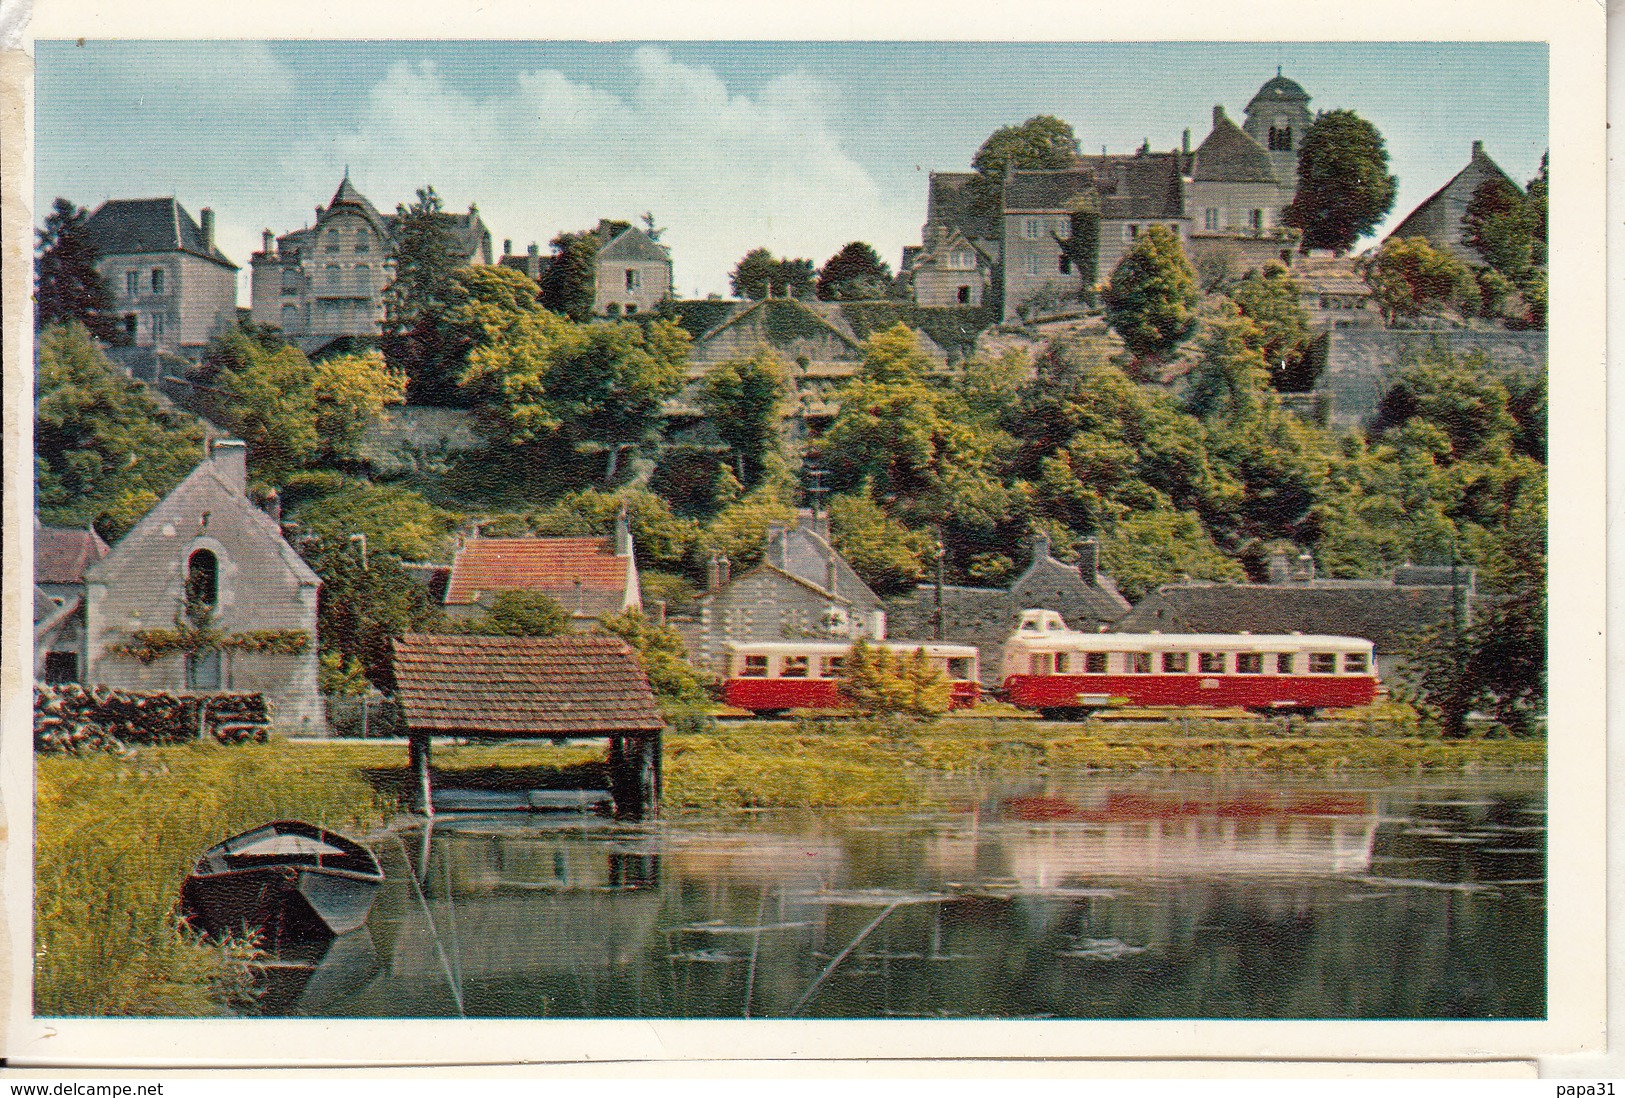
513	688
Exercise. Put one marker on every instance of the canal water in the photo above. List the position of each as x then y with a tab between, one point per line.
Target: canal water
1083	896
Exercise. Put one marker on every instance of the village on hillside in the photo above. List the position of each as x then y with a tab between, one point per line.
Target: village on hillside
1067	616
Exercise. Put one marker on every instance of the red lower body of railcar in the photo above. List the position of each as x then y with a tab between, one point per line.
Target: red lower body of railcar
1267	692
775	695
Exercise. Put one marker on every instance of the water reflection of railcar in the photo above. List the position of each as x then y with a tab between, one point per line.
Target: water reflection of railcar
772	678
1065	674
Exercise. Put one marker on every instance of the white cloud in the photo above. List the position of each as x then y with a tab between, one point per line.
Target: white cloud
724	172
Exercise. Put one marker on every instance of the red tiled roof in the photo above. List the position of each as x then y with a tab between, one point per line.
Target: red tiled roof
522	686
61	554
550	565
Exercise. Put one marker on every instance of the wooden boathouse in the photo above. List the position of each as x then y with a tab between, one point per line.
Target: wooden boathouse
582	686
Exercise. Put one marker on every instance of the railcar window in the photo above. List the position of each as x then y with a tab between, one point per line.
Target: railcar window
1283	663
1060	663
1139	663
1354	663
830	667
1249	663
1094	663
1176	663
1210	663
795	667
755	667
959	668
1323	663
1039	663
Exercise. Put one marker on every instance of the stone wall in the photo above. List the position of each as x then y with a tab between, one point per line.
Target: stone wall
1360	363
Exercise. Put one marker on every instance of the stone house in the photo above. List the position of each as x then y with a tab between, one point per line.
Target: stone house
1388	612
61	555
1235	199
632	274
174	288
206	553
958	259
802	588
591	577
986	616
1333	293
327	281
1438	218
1277	117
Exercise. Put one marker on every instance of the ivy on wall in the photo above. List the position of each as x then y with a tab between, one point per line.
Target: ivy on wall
148	645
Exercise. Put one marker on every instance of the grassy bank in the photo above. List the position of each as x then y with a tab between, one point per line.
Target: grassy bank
115	837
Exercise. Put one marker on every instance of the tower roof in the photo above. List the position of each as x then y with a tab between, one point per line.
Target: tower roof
1279	89
1228	155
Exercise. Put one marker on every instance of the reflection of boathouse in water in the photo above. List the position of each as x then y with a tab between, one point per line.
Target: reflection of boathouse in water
1047	841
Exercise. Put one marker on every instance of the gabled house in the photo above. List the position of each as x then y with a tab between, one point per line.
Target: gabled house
327	280
591	577
1235	199
1438	219
205	596
61	555
986	616
174	288
1387	612
957	261
632	274
801	588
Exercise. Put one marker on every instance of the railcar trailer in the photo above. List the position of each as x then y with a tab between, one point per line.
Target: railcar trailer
772	678
1066	674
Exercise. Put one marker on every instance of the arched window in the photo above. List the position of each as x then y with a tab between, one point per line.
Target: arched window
202	580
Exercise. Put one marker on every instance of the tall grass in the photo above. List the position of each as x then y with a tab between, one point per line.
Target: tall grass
114	839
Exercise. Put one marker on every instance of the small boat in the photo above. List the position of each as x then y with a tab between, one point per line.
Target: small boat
288	880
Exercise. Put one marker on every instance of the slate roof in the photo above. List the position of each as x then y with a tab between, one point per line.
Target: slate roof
522	686
804	554
1140	186
1279	89
1376	610
549	565
1479	163
634	245
1229	155
1048	189
61	554
142	226
951	201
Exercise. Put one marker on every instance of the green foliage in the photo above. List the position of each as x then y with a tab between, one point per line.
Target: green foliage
349	393
520	614
1149	548
1233	375
547	378
1344	189
658	535
1410	279
360	609
570	283
1469	406
483	302
1500	227
1535	196
887	555
147	645
418	341
67	286
855	273
660	651
1043	141
395	520
990	388
338	675
759	274
105	451
1272	302
1151	298
739	531
742	398
878	684
676	591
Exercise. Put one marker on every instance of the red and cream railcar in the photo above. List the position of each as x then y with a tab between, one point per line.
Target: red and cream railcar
1063	673
772	677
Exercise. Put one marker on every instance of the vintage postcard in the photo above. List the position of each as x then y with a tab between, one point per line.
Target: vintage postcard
1020	535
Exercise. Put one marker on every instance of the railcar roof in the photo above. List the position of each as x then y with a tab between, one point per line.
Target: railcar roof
836	648
1233	642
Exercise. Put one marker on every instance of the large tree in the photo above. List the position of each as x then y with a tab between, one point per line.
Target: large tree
1498	224
1410	278
105	450
1043	141
1151	298
742	398
855	273
67	284
417	340
760	274
1344	189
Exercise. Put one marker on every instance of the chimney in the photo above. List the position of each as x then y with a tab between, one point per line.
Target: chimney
318	213
1478	149
1185	145
830	572
623	534
507	246
1040	547
724	571
1218	113
206	215
273	507
775	544
534	249
267	241
1280	567
713	573
1089	559
1305	569
230	458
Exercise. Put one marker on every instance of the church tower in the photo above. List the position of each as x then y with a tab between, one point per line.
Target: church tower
1277	118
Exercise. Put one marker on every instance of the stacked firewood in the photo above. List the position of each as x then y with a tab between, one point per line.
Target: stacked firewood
70	718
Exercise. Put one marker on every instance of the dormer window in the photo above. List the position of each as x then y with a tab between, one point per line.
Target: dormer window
202	580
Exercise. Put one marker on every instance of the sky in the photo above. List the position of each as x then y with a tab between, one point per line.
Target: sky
797	147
